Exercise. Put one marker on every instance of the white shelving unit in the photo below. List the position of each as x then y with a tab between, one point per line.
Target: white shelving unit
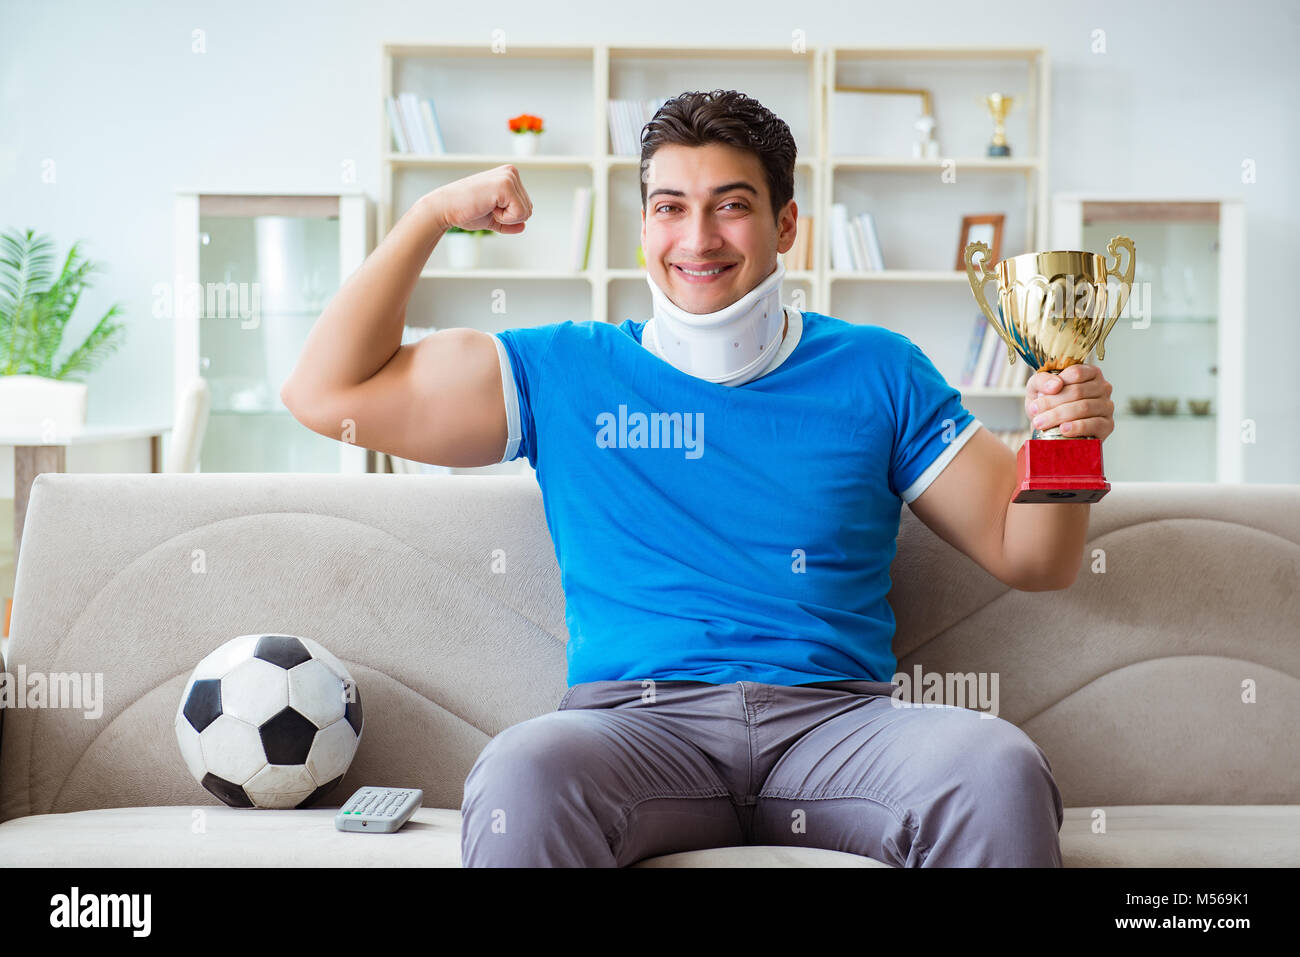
1181	335
919	214
918	203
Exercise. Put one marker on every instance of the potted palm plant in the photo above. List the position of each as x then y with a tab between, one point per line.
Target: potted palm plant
35	307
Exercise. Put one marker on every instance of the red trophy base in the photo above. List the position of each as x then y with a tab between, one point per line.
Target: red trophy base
1060	470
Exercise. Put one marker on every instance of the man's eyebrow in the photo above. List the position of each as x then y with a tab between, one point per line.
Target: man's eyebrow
725	188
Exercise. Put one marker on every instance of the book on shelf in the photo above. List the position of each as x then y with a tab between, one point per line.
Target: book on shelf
974	344
626	120
413	121
1014	376
430	117
396	127
855	244
876	261
841	251
417	135
583	218
858	244
986	360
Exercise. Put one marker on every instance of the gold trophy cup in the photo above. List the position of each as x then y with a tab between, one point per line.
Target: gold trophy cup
1055	308
999	106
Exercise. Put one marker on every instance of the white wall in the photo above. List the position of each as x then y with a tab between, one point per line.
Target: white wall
287	91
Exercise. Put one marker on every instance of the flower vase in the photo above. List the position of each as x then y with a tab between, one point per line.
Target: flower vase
462	250
525	144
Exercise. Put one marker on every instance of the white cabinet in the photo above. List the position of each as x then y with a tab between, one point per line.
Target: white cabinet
1175	357
253	274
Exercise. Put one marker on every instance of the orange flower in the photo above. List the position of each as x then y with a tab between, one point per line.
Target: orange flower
525	123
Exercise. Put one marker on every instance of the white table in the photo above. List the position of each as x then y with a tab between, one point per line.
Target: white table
34	454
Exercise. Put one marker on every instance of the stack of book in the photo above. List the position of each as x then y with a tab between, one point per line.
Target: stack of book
626	120
414	124
986	361
854	243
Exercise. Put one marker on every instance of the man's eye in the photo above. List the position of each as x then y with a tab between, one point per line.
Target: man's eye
670	206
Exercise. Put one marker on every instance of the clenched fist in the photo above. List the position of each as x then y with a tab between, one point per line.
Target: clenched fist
1077	399
494	199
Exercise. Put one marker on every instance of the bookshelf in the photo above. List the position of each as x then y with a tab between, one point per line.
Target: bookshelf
918	203
476	90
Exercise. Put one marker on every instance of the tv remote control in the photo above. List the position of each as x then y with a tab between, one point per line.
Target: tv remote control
382	810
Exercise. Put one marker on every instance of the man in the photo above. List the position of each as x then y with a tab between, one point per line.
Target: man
723	484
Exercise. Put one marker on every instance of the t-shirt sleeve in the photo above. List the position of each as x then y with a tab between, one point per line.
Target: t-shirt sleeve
522	354
932	425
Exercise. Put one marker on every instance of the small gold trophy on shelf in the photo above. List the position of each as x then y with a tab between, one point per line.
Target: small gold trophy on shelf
999	106
1054	307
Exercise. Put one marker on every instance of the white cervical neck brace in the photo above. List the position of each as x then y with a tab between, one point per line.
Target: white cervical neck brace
730	346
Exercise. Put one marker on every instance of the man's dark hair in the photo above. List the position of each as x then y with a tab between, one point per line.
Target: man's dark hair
725	116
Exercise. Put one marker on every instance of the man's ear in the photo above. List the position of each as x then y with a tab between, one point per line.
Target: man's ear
784	245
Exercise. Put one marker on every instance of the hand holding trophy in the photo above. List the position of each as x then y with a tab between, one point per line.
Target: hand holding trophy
1054	308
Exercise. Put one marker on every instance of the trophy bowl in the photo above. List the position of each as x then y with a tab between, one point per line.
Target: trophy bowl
1054	309
1141	405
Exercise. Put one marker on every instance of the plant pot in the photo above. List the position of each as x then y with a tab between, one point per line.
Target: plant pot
525	144
462	250
33	400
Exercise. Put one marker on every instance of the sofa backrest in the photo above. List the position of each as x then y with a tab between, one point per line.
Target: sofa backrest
443	596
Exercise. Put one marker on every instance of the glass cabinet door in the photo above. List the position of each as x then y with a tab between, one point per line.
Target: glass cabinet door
267	268
1162	355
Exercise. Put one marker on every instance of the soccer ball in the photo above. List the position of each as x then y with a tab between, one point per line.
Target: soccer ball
269	721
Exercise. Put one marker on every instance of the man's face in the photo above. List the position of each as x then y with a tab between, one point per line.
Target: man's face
689	223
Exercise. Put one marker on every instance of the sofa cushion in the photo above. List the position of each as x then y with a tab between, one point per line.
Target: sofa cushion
1183	835
761	856
229	837
1163	836
242	837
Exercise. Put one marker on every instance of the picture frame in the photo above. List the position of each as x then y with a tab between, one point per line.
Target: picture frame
983	227
877	120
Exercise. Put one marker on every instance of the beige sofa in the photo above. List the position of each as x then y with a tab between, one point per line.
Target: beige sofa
1132	680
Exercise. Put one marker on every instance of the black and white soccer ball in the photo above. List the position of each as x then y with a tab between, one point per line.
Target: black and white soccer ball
269	721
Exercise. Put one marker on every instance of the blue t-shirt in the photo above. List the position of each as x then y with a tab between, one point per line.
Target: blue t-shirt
719	533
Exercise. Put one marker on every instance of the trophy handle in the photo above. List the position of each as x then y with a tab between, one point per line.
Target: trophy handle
978	276
1126	284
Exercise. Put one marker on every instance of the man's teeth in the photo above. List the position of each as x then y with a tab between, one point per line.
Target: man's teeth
711	272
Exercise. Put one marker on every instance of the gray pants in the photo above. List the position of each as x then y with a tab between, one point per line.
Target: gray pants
625	770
